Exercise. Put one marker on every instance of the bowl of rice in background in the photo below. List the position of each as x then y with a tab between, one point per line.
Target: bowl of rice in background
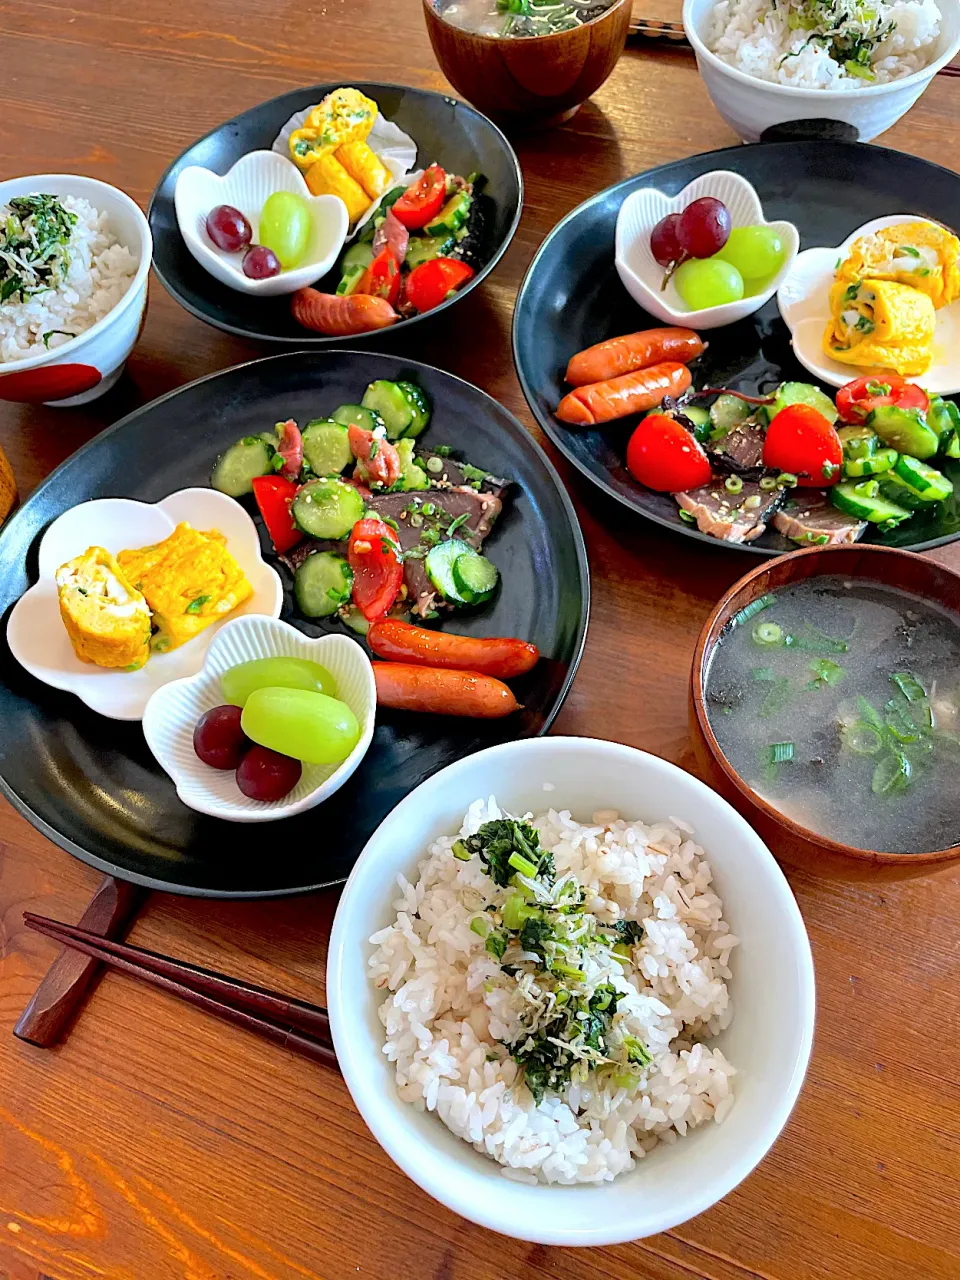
766	63
73	287
691	944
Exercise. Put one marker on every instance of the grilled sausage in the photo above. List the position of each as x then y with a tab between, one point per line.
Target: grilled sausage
406	687
617	356
632	393
339	317
403	642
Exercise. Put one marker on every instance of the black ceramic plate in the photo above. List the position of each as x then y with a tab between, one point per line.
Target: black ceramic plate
445	130
572	297
91	784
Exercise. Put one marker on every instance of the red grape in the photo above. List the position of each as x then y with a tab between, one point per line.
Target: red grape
703	227
228	228
260	263
664	244
267	775
218	739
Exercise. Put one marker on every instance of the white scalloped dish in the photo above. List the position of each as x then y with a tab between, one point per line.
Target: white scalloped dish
246	187
642	276
804	303
174	710
35	631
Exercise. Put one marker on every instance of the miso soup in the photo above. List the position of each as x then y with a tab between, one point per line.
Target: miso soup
838	701
519	17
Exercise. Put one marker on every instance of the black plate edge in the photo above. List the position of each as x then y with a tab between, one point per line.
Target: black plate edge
549	424
187	891
322	342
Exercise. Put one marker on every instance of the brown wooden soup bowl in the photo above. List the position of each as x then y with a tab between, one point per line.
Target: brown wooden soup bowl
530	81
790	842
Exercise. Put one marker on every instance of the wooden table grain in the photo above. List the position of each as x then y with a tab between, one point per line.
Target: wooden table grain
159	1145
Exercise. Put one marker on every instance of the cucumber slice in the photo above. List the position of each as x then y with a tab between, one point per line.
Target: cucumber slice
420	405
391	198
904	430
236	469
803	393
883	460
858	442
327	508
861	499
898	491
358	255
726	411
412	475
356	621
357	416
439	566
322	584
390	401
326	447
699	418
475	577
926	483
422	249
350	282
452	216
951	447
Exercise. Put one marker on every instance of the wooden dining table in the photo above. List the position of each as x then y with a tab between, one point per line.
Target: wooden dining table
158	1144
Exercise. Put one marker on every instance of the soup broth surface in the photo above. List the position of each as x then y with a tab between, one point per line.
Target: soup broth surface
519	17
839	703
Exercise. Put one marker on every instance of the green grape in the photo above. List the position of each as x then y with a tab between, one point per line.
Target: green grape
296	722
285	226
756	252
239	682
708	282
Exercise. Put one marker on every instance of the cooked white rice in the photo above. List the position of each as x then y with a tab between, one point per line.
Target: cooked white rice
756	37
100	271
450	1007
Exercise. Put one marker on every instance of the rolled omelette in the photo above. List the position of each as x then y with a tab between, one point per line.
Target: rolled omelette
363	165
880	324
921	254
328	177
105	616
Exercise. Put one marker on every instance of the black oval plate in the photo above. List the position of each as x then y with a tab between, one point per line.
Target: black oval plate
572	297
450	132
92	785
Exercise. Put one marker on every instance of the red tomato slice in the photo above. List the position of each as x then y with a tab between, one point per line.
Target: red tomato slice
433	282
663	455
274	495
803	443
374	556
382	278
423	201
858	398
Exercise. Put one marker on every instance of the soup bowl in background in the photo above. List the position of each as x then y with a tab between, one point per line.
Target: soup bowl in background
791	842
530	81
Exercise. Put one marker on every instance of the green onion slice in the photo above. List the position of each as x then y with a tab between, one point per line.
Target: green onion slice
733	484
862	739
767	633
752	609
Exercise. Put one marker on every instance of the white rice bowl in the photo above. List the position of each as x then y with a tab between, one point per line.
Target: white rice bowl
100	271
754	37
451	1009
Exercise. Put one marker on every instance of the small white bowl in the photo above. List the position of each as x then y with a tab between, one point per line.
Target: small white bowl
87	366
642	275
750	105
803	299
174	710
35	631
772	990
246	186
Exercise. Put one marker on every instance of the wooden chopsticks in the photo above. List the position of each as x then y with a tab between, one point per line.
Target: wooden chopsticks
290	1023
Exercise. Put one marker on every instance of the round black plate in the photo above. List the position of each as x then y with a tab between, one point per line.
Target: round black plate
91	784
445	130
572	297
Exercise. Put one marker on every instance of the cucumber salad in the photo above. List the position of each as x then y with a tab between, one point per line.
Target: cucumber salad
370	523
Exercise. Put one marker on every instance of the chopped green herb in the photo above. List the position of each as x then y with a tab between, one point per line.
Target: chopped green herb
196	605
909	686
461	852
767	634
825	672
752	609
909	249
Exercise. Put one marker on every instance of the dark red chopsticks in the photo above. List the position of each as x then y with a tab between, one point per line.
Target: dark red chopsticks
285	1021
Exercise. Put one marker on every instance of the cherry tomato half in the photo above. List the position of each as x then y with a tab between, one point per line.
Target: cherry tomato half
421	202
382	278
433	282
664	456
373	553
803	443
858	398
274	495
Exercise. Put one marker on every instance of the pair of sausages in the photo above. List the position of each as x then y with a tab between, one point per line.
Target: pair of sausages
628	375
446	674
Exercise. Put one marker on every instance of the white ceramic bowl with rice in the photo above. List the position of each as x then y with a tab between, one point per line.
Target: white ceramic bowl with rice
727	1025
64	339
761	71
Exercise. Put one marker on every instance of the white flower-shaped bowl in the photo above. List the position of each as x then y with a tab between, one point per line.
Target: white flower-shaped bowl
642	276
803	299
246	186
36	634
174	710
